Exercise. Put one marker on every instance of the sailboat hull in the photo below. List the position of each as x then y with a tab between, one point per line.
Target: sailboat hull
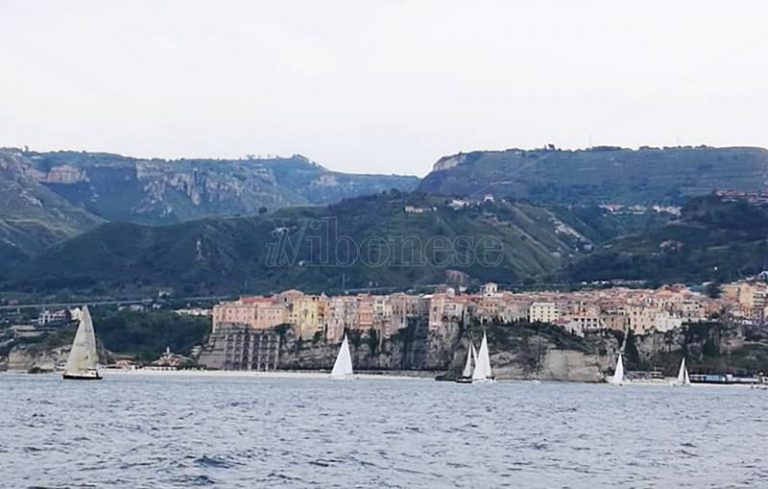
463	380
83	376
488	380
343	377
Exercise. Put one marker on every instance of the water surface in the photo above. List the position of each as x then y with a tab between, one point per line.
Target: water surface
157	432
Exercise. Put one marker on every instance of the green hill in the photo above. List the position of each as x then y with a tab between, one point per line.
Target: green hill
31	216
600	175
309	248
713	240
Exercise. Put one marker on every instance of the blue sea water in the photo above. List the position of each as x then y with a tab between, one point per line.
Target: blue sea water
171	432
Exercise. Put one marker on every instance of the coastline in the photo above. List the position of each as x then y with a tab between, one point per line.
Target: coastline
274	374
320	375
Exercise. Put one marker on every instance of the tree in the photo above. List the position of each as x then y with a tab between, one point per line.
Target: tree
317	337
630	349
373	341
713	289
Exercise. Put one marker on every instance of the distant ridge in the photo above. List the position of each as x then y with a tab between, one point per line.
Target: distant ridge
50	197
599	175
158	191
32	217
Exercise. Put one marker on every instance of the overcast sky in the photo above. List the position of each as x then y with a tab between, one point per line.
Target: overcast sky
384	86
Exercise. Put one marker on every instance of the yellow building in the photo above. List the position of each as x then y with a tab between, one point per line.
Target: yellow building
308	314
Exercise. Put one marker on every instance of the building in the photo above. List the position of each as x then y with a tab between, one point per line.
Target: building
308	314
342	315
233	313
47	317
258	313
544	312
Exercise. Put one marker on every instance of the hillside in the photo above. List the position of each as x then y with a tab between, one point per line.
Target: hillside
309	248
31	216
600	175
156	191
713	240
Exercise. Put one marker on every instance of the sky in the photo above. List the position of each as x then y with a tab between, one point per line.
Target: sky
379	86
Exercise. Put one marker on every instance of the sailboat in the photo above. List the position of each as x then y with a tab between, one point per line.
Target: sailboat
618	373
83	357
342	368
469	366
482	372
682	375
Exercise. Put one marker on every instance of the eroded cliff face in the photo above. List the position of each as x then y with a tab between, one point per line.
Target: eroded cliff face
40	356
448	162
25	358
32	217
156	191
66	174
708	347
515	352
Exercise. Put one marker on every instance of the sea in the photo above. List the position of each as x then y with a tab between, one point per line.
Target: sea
177	431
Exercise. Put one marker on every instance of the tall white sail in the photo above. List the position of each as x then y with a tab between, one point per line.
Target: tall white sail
343	366
482	371
83	357
467	372
618	374
682	374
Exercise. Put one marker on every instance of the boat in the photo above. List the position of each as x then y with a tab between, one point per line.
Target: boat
618	373
682	375
725	379
83	357
466	374
482	372
342	368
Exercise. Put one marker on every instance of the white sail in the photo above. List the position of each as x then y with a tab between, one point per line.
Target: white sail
83	357
618	374
482	371
343	366
467	372
682	374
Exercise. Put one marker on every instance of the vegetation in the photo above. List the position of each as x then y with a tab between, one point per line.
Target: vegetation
713	241
602	175
366	242
32	217
513	242
525	334
146	334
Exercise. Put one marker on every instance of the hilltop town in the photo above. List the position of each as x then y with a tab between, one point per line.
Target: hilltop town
244	331
621	309
568	335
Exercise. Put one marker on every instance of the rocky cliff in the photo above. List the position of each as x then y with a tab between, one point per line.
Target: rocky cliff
32	217
41	353
521	351
710	347
156	191
518	351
